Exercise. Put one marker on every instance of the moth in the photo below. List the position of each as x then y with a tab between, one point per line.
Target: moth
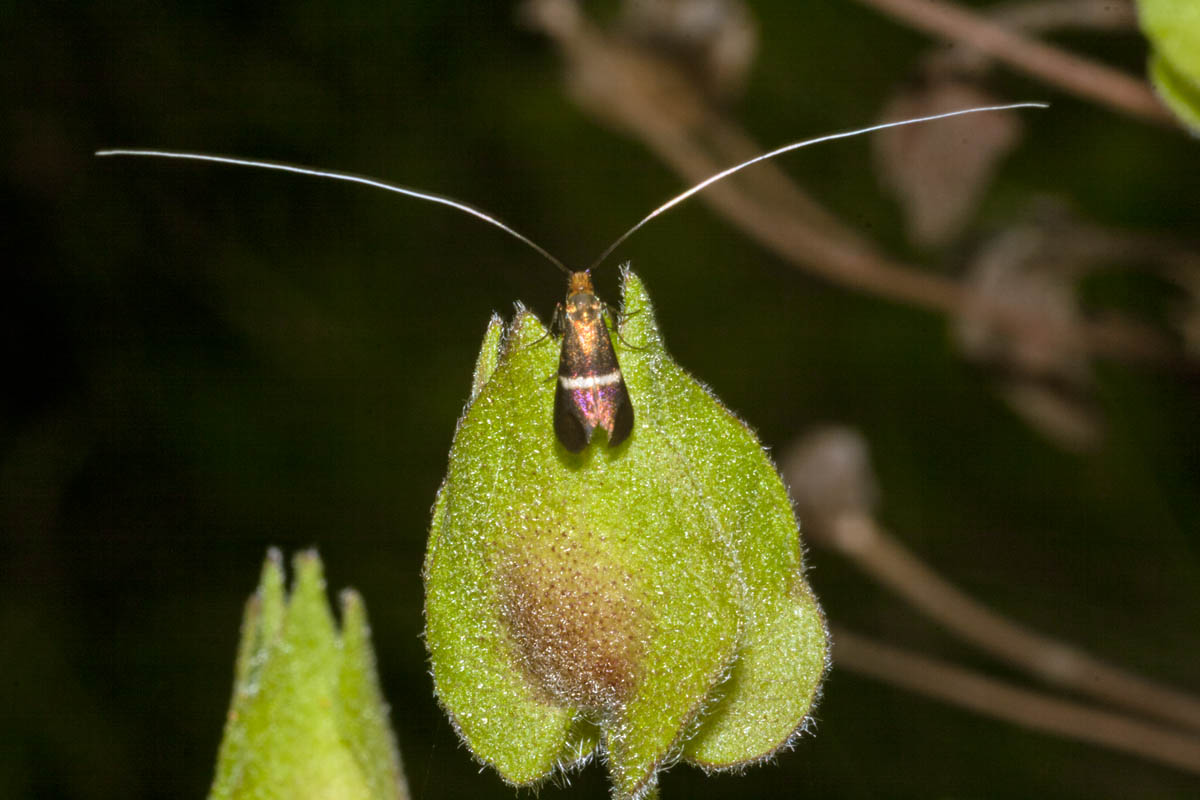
590	391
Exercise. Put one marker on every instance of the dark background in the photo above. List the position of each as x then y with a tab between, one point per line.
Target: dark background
202	362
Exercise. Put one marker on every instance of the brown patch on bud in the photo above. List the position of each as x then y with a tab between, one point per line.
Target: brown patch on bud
575	616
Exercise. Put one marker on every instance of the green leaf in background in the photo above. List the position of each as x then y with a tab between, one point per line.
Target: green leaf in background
646	601
307	718
1173	28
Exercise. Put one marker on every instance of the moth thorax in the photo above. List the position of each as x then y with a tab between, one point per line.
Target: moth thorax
584	307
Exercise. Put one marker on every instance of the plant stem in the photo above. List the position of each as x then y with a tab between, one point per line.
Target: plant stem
886	560
1073	73
962	687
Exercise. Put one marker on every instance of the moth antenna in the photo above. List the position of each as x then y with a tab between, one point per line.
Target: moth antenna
679	198
349	177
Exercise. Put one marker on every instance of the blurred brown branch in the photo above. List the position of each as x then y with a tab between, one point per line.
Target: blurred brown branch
835	491
961	687
1070	72
886	560
646	97
1048	15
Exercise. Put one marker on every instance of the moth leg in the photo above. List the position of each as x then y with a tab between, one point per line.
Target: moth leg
617	318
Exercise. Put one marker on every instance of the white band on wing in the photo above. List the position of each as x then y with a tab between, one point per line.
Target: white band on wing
589	381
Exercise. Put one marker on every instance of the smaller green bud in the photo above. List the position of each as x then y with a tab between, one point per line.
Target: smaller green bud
645	601
307	719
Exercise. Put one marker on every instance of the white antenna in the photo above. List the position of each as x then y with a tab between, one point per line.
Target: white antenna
475	212
679	198
350	177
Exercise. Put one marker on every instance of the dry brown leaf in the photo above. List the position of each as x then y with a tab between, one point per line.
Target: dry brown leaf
715	40
1047	384
939	172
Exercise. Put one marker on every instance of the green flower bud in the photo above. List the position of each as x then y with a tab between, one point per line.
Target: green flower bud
307	719
647	600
